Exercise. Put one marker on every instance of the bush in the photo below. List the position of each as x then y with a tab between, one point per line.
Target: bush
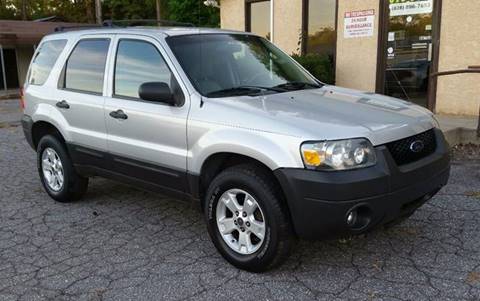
319	65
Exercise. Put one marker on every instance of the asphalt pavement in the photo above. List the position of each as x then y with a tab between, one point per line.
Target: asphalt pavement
120	243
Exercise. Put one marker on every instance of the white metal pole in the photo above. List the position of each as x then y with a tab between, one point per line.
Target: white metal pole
272	23
3	69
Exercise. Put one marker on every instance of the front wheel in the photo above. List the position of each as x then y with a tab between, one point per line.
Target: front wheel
247	219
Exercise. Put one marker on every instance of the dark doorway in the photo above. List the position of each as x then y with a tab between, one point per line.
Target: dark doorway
408	54
11	71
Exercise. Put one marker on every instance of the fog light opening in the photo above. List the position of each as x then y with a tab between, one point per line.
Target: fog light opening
359	217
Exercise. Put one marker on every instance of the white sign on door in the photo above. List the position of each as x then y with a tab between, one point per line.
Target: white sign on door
359	23
411	7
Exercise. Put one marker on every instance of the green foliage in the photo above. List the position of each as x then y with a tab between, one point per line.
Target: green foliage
193	11
129	9
68	10
320	66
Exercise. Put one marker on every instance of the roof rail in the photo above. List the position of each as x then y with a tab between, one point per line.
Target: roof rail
73	27
139	22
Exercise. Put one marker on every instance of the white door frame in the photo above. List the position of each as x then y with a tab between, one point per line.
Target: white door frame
2	62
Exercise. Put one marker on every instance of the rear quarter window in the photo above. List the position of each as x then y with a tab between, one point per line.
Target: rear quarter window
44	59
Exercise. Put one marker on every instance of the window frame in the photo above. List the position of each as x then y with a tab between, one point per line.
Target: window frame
117	46
62	78
305	21
248	14
164	56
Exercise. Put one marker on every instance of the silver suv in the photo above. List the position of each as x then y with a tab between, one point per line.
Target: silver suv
227	119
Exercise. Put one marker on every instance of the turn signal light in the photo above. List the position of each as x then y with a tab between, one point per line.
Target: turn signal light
312	157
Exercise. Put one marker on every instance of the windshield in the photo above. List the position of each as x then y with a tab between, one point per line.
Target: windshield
221	65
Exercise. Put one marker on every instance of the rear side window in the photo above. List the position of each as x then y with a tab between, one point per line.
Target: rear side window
43	62
138	62
85	68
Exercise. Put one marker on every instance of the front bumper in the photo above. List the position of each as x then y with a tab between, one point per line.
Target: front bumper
320	202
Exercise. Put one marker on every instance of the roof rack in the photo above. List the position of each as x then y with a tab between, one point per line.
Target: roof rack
125	23
66	28
139	22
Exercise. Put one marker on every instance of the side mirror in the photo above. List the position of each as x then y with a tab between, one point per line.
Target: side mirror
156	91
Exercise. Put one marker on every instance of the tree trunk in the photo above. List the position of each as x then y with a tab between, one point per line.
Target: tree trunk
98	11
159	9
24	9
89	11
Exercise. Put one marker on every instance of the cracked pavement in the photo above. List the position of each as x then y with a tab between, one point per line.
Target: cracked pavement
119	243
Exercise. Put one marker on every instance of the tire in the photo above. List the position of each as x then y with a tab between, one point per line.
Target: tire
258	183
74	186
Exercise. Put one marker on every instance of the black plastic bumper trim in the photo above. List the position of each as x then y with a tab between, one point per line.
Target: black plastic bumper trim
27	124
320	201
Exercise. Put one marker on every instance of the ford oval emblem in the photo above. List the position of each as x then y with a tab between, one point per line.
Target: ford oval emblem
417	146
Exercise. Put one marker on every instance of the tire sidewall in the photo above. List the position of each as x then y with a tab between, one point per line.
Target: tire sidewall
51	142
265	254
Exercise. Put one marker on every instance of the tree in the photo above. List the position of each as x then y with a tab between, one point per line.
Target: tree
6	10
193	11
129	9
83	11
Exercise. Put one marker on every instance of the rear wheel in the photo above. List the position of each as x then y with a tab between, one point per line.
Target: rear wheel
247	219
56	171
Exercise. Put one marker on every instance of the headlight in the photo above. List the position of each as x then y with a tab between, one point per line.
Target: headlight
338	155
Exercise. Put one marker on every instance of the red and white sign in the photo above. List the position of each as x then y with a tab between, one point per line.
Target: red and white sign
359	24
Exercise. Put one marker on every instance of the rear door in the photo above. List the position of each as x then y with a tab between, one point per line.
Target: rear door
147	141
80	98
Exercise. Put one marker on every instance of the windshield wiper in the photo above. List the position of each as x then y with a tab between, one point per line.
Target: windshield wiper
243	90
297	85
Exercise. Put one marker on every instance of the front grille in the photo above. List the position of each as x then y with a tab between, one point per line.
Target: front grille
401	150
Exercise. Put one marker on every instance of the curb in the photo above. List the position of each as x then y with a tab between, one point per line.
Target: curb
462	136
9	97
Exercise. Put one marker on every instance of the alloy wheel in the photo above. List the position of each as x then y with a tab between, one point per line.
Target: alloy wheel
240	221
52	169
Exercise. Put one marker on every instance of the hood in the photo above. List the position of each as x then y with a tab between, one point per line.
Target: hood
328	113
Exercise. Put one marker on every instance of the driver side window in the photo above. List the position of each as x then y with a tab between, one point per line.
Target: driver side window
138	62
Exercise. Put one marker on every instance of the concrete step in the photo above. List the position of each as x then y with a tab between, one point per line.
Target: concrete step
459	129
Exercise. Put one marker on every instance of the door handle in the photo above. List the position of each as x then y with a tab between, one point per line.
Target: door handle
119	114
63	104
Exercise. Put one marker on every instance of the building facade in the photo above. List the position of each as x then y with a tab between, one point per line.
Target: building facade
18	40
392	47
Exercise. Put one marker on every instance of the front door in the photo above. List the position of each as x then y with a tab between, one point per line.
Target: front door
409	49
146	139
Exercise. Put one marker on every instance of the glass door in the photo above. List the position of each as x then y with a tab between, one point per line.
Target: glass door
409	49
